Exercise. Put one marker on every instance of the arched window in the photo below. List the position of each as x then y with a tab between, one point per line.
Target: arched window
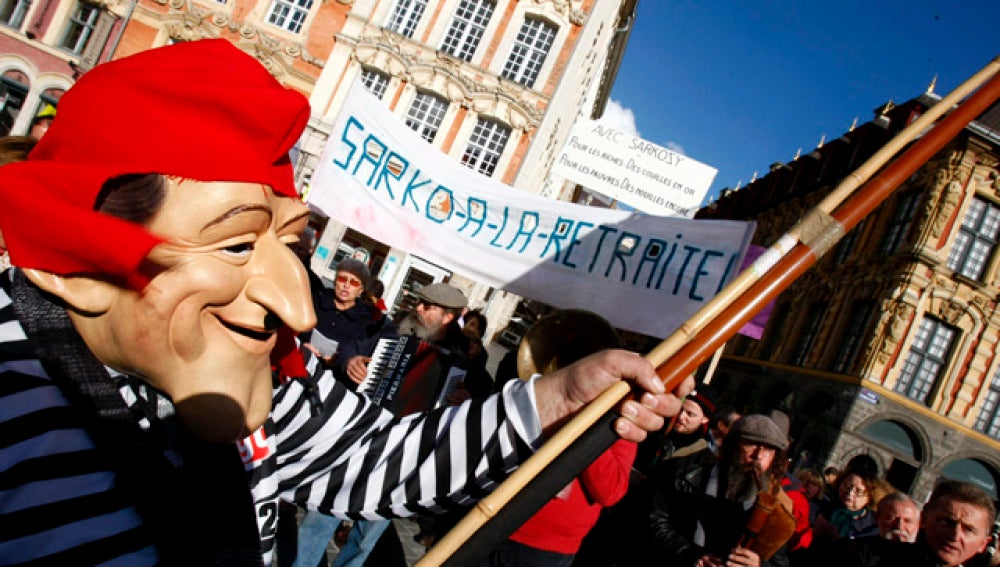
893	435
14	86
974	471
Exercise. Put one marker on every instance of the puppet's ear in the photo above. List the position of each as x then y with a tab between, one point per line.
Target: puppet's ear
84	294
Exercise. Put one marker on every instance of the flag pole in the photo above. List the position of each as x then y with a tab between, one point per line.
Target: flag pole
563	456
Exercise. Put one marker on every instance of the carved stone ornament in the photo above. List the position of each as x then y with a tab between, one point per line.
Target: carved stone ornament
401	57
190	28
575	15
898	318
951	311
104	4
952	196
181	31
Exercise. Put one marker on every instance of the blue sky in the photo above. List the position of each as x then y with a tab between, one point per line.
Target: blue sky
739	85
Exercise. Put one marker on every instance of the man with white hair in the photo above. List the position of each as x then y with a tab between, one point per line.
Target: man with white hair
898	517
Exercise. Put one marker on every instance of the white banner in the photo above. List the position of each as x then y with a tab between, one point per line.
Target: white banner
634	171
643	273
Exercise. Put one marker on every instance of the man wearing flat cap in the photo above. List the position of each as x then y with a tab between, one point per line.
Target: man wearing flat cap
702	503
154	303
438	305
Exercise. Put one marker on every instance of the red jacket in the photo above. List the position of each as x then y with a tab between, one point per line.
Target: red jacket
562	523
803	536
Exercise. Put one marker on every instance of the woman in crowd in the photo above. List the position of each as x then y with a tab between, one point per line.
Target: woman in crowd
813	487
853	516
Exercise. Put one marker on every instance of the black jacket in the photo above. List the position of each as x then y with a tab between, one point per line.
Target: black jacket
356	329
678	499
874	551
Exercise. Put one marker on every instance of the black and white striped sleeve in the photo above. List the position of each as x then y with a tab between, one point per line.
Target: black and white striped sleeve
348	457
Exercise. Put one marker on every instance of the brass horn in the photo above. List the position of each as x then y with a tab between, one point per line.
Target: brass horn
563	337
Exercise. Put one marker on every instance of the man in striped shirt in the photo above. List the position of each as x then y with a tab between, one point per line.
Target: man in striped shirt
139	420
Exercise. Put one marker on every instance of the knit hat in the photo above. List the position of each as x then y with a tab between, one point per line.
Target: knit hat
759	429
704	397
356	268
442	294
201	110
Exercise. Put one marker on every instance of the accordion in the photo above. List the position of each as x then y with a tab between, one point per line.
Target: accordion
408	375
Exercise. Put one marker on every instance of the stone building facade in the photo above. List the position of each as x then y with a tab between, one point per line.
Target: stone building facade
887	346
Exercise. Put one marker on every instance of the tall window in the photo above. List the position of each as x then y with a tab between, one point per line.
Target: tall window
425	115
530	49
847	244
899	226
80	26
405	15
289	14
12	95
850	343
485	146
989	416
467	27
374	81
976	239
809	333
927	358
12	12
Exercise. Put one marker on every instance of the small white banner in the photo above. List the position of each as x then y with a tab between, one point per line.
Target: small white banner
642	273
633	171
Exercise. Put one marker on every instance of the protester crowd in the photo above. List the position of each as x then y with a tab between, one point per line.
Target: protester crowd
185	372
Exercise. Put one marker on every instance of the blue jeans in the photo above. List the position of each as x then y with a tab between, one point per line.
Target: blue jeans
360	542
315	532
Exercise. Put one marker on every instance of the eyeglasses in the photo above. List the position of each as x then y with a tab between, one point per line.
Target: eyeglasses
858	490
353	282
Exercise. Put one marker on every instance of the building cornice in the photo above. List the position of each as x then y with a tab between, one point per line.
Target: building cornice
459	81
190	21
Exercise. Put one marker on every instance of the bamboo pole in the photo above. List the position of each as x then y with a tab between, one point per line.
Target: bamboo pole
678	355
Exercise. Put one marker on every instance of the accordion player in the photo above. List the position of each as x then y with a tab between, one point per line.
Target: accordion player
408	375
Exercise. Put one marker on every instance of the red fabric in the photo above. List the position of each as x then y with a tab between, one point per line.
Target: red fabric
803	536
201	110
562	523
286	358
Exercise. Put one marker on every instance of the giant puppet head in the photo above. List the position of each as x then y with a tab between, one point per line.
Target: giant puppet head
159	207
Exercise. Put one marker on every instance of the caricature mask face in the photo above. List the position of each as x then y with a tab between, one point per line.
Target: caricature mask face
203	329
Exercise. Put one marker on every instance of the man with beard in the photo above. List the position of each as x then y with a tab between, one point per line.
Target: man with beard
438	305
702	503
898	517
688	434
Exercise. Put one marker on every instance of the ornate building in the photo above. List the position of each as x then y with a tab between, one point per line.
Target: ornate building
887	346
495	84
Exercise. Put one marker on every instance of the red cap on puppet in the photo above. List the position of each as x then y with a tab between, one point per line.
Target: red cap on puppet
201	110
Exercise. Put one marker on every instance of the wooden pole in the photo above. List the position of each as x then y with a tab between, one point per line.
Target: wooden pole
681	353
